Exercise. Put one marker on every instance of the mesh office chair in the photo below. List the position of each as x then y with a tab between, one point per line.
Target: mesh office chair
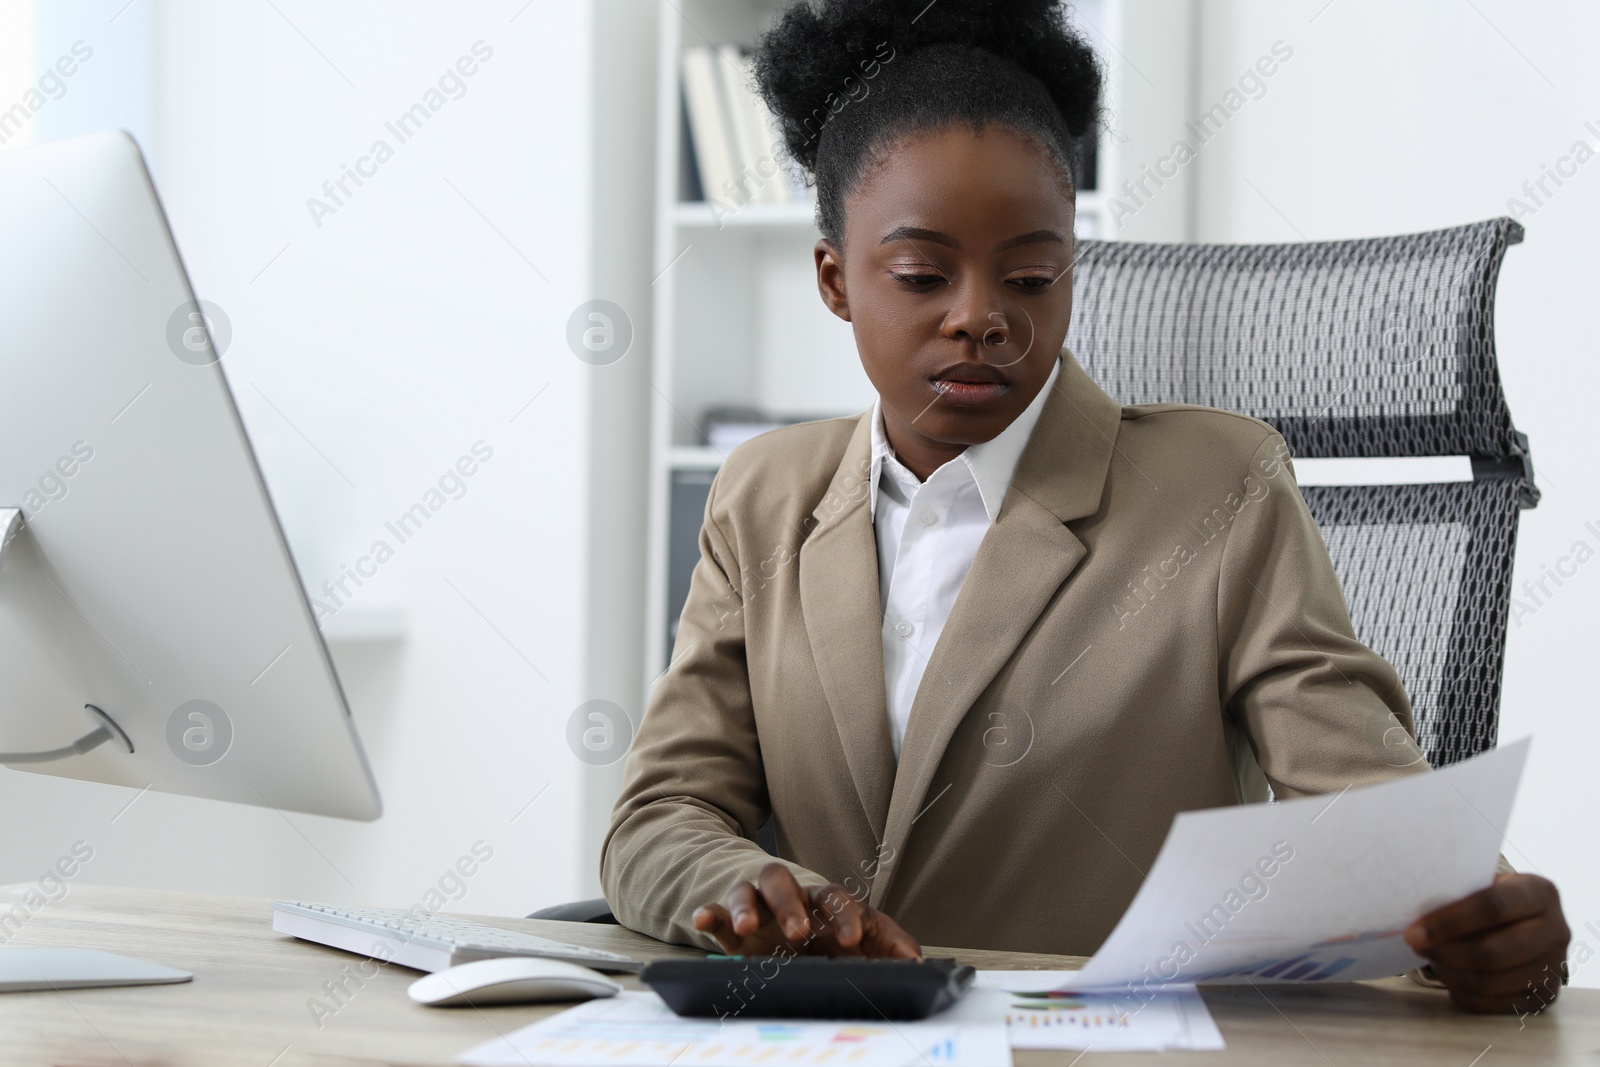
1379	347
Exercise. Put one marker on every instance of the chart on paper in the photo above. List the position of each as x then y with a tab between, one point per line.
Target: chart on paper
1043	1015
638	1030
1316	889
1039	1017
1321	961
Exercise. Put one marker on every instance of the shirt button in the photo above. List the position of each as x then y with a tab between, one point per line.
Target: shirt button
927	518
903	628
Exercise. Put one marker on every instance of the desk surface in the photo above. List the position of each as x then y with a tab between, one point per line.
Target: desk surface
249	1003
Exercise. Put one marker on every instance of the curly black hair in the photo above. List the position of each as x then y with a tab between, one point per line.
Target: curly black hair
845	79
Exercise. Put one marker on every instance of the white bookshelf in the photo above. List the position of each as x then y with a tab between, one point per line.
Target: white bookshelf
737	317
698	217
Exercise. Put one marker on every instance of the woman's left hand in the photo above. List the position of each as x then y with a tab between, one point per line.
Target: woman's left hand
1502	949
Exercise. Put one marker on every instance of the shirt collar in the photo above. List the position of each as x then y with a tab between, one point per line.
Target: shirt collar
992	464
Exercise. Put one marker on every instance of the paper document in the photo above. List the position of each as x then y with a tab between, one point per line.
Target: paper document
637	1029
1310	890
1024	981
1037	1018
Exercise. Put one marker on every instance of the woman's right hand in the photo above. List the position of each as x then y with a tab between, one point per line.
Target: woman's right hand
775	911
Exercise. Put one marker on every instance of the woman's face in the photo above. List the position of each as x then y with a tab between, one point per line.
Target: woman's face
957	280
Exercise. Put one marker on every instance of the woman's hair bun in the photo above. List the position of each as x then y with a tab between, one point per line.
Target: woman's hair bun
819	49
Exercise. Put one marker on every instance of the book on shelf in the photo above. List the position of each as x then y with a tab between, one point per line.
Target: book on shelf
702	97
733	139
756	151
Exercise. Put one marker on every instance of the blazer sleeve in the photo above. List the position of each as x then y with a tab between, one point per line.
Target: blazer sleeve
694	795
1320	710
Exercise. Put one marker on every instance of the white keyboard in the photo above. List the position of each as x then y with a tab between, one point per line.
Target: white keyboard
426	943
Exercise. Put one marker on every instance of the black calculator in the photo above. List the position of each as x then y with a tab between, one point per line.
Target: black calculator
808	987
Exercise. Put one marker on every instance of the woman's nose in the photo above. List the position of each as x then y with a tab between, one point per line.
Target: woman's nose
978	315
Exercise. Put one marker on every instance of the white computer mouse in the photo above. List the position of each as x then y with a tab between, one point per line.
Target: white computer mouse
510	980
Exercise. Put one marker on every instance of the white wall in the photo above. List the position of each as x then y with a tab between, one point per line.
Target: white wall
1392	118
370	352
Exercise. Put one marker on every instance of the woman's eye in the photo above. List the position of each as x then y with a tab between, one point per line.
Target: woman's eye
1033	284
917	280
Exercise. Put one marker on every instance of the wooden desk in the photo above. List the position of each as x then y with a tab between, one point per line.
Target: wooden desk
249	1002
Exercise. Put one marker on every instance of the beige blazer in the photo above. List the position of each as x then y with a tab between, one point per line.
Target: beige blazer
1150	625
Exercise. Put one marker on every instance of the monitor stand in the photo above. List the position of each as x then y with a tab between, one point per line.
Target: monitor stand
71	968
10	526
105	729
26	969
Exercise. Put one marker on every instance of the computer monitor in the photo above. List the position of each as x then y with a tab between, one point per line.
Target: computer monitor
153	628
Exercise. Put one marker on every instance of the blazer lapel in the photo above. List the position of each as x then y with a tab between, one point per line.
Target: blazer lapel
1019	566
839	600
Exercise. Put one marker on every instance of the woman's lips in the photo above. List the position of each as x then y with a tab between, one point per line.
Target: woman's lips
969	393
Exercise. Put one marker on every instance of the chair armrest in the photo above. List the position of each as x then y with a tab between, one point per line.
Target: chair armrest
580	911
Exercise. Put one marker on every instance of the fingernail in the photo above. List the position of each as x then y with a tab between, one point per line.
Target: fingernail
1417	936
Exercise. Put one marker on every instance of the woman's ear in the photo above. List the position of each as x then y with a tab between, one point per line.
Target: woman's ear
830	278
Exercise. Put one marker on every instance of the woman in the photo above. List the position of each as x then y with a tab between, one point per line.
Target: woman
972	650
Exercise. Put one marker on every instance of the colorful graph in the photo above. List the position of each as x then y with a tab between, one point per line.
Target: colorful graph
1308	966
1057	1011
761	1043
635	1029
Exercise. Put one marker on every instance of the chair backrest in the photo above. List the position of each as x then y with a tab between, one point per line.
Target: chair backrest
1379	347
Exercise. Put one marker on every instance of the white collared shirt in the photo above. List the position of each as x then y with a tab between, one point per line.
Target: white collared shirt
928	533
